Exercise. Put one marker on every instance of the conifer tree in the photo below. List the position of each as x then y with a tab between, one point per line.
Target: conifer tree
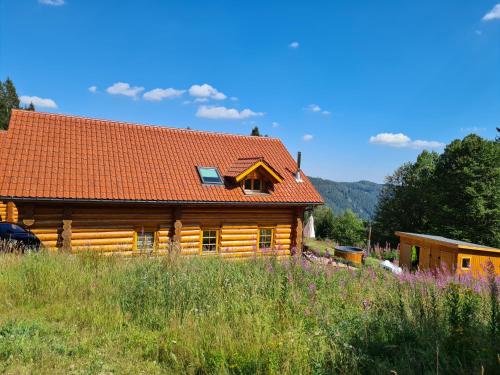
8	101
255	132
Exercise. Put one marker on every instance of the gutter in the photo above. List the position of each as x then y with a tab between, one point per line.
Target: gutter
173	202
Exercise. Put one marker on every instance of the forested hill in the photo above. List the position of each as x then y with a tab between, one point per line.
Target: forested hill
361	196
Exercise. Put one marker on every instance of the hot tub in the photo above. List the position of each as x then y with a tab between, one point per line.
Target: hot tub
350	253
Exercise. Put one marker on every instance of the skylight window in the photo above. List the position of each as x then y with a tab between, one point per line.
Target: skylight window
210	175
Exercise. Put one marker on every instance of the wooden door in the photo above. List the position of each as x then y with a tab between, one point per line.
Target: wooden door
405	255
447	261
424	258
434	258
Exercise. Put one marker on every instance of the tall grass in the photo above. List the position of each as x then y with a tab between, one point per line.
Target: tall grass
89	314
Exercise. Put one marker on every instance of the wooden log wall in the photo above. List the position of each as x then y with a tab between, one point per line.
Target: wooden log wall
238	229
113	229
47	225
4	211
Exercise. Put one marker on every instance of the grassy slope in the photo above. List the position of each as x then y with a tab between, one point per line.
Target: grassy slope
361	197
87	314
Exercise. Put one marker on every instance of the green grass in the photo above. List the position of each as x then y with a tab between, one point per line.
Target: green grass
319	247
63	314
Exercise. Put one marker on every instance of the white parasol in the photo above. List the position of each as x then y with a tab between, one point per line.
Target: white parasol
309	228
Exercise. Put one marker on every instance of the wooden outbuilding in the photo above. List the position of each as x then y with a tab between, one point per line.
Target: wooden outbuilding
424	251
88	184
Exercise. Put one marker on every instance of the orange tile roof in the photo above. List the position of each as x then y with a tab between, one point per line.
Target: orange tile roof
51	156
3	134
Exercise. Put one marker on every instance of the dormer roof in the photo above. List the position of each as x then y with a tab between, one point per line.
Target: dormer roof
242	167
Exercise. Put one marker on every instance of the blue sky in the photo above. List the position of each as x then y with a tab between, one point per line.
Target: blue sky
358	87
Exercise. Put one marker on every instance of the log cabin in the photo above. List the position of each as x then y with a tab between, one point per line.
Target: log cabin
82	184
428	252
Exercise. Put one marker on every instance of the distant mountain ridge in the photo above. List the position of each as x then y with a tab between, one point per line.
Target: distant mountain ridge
361	197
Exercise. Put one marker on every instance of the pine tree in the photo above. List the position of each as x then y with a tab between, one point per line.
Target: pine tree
11	94
8	101
30	107
3	108
255	132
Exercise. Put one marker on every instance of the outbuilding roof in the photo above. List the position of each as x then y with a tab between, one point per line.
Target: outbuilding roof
58	157
447	241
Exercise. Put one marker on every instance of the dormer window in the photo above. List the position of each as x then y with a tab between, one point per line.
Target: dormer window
209	176
254	175
253	185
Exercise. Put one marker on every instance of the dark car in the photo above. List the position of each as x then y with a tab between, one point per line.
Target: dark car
14	238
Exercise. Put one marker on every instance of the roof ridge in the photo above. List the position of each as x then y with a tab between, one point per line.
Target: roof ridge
251	158
128	123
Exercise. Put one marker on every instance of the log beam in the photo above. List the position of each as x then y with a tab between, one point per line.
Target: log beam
10	212
298	232
177	232
66	230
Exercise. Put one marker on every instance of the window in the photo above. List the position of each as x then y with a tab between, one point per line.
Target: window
248	184
210	175
265	238
253	185
145	241
466	263
256	185
209	241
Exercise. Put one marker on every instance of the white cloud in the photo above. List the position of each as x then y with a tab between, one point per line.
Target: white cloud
160	94
307	137
493	14
234	98
213	112
52	2
294	45
206	91
38	102
426	144
317	109
200	100
401	140
275	124
472	129
93	89
122	88
478	32
313	108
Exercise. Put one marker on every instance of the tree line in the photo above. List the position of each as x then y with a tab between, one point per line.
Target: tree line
454	194
345	228
9	101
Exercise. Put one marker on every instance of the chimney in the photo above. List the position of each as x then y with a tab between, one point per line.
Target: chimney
298	176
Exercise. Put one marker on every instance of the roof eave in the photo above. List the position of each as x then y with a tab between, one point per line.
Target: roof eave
166	202
447	244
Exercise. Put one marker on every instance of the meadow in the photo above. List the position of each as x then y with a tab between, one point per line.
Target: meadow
88	314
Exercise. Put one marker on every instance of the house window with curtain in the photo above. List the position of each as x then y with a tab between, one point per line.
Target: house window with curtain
145	241
266	238
210	241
